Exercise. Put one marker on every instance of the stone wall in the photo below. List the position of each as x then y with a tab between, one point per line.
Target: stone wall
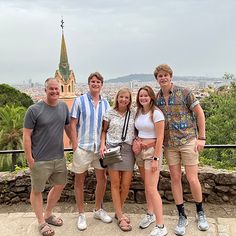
218	187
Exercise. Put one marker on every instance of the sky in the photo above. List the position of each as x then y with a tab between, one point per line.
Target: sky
116	37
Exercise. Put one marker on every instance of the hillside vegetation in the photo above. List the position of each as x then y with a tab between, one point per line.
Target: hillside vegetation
220	111
11	96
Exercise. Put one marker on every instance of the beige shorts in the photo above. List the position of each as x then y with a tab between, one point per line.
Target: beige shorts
145	158
184	154
83	159
55	172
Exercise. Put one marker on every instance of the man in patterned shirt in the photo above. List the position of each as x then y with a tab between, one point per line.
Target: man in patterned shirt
86	127
184	138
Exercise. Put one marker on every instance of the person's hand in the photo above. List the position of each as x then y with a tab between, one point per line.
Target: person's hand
137	146
30	162
154	165
200	145
74	147
102	150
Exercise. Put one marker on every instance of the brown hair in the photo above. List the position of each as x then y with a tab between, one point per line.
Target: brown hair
97	75
151	94
123	90
163	67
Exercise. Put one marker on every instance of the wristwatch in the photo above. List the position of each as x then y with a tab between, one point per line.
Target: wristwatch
200	138
156	158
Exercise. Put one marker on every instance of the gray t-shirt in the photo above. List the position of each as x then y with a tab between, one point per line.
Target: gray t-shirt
48	124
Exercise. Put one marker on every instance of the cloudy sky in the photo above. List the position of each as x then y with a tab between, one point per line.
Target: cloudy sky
116	37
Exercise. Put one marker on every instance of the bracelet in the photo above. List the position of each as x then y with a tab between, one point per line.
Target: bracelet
202	139
156	158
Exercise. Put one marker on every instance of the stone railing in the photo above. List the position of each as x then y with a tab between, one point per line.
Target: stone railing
218	187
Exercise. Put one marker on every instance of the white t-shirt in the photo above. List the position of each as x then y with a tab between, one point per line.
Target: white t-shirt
145	124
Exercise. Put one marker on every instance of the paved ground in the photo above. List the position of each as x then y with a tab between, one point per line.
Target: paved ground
25	224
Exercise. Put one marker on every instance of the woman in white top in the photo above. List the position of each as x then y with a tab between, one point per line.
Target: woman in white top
149	123
120	173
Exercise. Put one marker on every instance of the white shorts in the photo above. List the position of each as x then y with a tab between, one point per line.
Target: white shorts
83	159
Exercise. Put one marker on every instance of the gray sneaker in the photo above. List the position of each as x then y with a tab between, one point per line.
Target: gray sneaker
158	231
147	220
102	215
202	223
180	227
81	222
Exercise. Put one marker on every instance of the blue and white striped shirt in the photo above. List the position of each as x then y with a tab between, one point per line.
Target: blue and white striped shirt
90	119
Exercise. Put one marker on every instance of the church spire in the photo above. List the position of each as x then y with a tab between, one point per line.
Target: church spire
64	65
63	74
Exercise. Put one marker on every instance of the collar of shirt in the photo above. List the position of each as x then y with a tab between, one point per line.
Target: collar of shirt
170	92
90	97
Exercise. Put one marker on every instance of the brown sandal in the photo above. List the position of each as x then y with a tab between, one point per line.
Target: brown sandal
124	225
46	230
53	220
124	216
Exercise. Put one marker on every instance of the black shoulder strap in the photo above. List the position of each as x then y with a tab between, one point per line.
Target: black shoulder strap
125	126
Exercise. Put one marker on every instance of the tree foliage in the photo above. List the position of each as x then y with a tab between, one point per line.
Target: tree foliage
12	96
220	111
11	131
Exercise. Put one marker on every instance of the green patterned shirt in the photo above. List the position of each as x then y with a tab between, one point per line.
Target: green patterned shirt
180	122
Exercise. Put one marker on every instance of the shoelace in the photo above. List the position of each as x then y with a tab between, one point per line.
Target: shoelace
102	213
201	216
148	218
81	218
181	222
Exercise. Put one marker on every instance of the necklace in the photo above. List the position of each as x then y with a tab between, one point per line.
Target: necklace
122	113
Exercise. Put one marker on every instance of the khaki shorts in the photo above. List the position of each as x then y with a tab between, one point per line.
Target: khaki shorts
145	158
54	172
83	159
184	154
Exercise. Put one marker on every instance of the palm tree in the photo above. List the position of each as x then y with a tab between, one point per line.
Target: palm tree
11	129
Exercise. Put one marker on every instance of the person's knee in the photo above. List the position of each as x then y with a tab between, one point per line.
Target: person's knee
125	186
151	191
115	186
35	197
101	178
193	180
176	177
59	187
101	183
79	181
35	194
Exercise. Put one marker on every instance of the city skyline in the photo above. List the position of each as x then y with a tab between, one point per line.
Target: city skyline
116	38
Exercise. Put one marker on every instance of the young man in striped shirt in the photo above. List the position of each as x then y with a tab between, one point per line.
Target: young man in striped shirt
86	127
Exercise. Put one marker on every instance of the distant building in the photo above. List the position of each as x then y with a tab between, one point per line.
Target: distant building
64	75
67	81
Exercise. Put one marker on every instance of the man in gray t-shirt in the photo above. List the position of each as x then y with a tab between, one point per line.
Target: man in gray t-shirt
44	126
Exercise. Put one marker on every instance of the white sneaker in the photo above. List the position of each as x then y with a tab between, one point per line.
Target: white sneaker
158	231
102	215
81	222
147	220
202	223
181	226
